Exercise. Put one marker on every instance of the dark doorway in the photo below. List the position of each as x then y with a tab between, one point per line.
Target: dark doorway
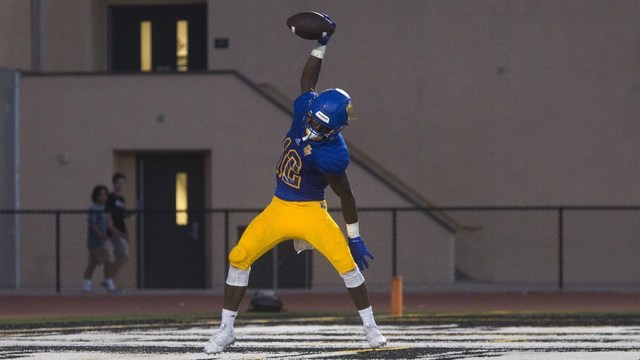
172	237
158	38
281	268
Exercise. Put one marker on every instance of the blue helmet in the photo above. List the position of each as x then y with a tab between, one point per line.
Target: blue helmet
330	112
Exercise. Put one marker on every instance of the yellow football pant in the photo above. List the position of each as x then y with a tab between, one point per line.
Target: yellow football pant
285	220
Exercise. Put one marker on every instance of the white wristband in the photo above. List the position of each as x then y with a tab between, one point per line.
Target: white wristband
353	230
318	51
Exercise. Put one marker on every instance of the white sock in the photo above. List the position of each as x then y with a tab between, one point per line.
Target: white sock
228	318
86	284
367	316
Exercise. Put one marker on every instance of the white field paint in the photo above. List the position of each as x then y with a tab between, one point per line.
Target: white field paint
325	341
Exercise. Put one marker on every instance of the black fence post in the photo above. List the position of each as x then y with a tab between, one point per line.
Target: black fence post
58	252
560	248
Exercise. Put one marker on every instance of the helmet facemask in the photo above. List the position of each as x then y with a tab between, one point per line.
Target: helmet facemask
317	131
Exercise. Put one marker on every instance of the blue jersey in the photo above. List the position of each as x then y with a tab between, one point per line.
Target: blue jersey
300	174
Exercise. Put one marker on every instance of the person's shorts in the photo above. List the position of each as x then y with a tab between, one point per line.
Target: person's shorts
120	247
101	254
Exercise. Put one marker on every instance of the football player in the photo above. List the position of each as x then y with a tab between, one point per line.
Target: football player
314	156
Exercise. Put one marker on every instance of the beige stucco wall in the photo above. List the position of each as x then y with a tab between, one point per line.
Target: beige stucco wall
466	84
90	118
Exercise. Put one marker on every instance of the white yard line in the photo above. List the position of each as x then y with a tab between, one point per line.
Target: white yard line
327	341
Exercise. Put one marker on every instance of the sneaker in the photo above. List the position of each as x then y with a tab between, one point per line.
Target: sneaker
219	340
374	337
110	287
86	286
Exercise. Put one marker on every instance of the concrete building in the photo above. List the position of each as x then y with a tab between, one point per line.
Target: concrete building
459	104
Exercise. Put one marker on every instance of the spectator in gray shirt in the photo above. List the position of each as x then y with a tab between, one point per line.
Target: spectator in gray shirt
97	241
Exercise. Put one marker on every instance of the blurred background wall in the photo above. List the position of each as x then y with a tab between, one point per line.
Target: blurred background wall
468	103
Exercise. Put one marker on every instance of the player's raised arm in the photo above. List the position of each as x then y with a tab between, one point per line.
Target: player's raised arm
310	74
311	70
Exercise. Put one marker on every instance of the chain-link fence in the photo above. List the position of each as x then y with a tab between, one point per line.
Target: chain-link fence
528	247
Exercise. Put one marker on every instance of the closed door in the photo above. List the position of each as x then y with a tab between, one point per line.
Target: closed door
172	236
158	38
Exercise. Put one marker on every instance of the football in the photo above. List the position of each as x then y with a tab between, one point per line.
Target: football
310	25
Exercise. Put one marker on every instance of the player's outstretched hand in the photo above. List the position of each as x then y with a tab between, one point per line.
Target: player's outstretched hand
325	39
359	252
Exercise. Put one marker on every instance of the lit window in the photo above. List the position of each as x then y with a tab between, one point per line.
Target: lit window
145	46
182	205
182	45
